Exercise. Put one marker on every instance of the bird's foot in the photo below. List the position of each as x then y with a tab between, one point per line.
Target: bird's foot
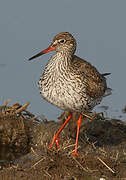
55	140
75	153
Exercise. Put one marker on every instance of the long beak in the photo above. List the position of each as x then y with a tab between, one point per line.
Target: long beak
50	48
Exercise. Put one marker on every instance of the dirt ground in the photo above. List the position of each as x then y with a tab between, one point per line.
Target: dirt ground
24	153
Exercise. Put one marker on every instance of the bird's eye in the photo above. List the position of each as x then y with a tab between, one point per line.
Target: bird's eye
62	41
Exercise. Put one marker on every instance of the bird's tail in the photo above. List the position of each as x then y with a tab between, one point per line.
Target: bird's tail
108	92
106	74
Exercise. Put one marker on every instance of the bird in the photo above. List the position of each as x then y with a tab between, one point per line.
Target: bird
70	82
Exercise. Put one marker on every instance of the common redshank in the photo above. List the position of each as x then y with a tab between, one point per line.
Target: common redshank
69	82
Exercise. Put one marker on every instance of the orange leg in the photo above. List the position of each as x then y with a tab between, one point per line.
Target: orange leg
56	139
78	128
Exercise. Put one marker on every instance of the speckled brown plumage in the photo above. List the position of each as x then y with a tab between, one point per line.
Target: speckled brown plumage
68	81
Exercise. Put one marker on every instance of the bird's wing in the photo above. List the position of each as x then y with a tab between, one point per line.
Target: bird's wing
96	82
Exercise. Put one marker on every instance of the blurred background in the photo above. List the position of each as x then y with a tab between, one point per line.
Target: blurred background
27	27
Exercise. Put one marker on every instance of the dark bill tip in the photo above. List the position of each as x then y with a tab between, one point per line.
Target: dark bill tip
33	57
50	48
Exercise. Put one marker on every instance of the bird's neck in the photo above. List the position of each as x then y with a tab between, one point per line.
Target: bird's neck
62	58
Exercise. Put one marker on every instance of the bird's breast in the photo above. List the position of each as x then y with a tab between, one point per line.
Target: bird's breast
65	88
61	87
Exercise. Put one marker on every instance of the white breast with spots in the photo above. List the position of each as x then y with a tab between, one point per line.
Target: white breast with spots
64	88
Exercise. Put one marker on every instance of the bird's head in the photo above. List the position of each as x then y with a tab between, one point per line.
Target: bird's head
62	42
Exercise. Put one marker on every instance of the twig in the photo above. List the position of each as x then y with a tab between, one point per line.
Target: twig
37	163
103	151
32	150
22	108
29	113
71	145
105	165
117	156
47	173
79	164
89	117
2	108
92	144
6	102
